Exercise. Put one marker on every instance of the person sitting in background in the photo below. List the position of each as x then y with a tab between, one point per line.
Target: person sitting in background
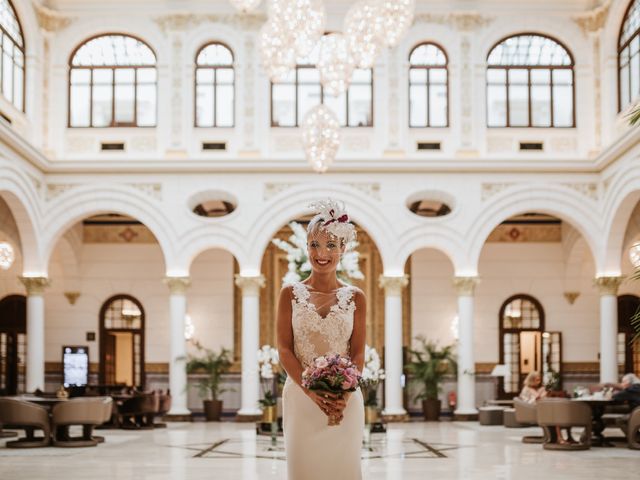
533	391
629	390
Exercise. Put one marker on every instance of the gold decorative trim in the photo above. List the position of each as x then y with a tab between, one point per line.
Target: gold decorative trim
250	284
51	20
593	20
608	285
72	297
571	297
465	286
177	285
393	285
35	285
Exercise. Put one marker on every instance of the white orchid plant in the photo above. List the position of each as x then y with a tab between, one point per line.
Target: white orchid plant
299	267
372	375
269	364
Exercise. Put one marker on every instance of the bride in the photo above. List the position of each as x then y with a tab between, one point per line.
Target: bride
317	317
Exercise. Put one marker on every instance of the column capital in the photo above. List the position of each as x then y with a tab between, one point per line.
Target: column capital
177	285
465	286
393	285
608	285
35	285
251	283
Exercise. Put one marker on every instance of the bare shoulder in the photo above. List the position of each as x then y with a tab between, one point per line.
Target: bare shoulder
358	295
286	292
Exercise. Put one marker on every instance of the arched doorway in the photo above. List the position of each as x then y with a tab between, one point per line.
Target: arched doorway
122	342
13	344
525	346
628	350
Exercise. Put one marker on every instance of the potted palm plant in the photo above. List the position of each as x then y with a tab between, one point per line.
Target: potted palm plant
429	364
213	364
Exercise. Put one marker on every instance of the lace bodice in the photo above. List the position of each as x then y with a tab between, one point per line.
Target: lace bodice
315	335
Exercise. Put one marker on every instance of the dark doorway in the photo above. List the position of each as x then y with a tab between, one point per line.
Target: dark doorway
628	350
13	344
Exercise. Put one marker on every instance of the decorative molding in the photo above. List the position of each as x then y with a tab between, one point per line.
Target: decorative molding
499	144
288	143
491	189
250	285
371	189
563	144
465	286
593	20
35	285
152	189
466	101
587	189
56	189
356	143
143	144
51	20
571	297
463	21
271	189
393	285
72	297
526	233
608	285
81	144
176	97
177	285
185	21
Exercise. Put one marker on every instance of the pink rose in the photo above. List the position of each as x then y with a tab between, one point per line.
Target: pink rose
321	362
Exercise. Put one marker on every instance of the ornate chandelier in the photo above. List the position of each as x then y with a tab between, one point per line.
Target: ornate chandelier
320	137
304	20
363	27
634	254
245	6
7	255
397	16
335	63
278	57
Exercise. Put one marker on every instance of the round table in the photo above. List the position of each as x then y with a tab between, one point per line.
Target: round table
597	406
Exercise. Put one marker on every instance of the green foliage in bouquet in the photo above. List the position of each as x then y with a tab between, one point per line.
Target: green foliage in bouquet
213	364
428	367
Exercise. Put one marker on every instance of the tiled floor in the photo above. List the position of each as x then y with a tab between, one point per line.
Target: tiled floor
233	451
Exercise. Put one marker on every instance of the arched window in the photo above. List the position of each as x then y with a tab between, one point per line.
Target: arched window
428	87
12	66
294	96
530	83
122	342
629	57
214	86
525	346
112	83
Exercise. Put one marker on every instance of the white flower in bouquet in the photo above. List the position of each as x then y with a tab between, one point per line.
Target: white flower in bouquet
299	267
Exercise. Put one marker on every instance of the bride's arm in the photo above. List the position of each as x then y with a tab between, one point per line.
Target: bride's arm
285	337
359	334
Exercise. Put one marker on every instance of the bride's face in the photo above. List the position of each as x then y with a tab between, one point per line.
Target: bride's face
324	251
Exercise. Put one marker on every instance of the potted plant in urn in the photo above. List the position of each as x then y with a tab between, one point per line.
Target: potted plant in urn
268	361
428	366
213	364
372	374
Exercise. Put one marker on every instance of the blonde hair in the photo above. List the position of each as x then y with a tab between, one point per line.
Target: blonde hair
528	381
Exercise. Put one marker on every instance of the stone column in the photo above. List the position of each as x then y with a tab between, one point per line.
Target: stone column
608	288
250	384
465	287
178	345
393	407
35	331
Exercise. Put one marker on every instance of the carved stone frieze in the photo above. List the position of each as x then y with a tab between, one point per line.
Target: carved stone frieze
608	285
35	285
177	285
490	189
81	145
184	21
499	144
589	189
50	20
288	143
371	189
272	189
463	21
393	285
356	143
593	20
563	144
152	189
143	144
465	286
56	189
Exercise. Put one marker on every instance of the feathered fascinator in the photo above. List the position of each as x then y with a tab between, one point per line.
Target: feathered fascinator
332	217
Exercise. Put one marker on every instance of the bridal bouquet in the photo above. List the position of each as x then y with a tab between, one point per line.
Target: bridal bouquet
332	373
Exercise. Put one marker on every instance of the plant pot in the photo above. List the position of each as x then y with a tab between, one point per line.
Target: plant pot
431	409
212	410
371	415
270	414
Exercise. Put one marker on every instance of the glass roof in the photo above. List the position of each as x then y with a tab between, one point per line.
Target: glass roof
9	22
113	51
529	50
631	23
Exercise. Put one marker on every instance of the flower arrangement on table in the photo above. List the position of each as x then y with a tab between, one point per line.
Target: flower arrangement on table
299	267
333	374
372	375
269	364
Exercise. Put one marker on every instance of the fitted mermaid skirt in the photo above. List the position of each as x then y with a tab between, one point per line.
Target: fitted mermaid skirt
316	451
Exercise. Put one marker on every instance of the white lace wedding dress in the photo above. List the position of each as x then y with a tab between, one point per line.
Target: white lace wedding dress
314	449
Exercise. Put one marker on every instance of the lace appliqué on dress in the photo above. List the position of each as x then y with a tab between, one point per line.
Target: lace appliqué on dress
315	335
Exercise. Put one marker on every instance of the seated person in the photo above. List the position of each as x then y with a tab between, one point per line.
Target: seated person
629	390
533	391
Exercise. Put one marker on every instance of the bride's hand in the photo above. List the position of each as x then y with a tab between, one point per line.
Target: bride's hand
327	402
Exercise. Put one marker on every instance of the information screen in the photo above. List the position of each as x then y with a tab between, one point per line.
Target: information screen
76	366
